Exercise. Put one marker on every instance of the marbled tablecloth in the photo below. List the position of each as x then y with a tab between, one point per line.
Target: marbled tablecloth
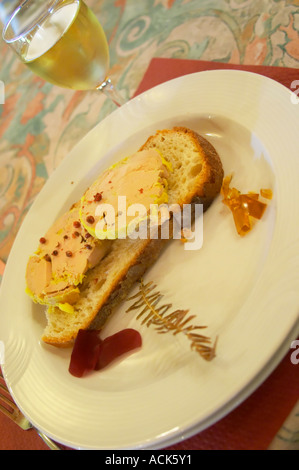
41	123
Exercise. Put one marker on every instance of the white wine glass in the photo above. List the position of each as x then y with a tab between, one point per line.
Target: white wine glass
63	42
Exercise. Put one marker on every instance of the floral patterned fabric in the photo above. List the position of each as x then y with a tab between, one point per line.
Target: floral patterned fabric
40	123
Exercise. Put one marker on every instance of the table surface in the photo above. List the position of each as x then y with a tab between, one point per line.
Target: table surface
41	123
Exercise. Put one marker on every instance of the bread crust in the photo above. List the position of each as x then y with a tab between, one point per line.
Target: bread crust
203	189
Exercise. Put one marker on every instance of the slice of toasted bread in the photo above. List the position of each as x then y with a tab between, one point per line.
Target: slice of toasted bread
196	177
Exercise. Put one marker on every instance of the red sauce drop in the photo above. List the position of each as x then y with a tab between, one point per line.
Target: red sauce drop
117	345
90	352
85	352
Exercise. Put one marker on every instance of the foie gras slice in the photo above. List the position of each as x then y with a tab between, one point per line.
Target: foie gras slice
122	196
56	270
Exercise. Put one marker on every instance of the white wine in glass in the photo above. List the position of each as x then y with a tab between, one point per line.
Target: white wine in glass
63	42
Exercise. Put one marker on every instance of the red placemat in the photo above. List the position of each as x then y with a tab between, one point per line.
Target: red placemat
254	423
162	70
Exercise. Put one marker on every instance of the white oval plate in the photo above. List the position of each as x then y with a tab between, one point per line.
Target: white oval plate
244	289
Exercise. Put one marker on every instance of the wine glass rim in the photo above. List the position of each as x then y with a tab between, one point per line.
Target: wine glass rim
30	27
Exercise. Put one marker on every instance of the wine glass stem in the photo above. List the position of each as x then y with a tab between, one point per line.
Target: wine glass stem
110	91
